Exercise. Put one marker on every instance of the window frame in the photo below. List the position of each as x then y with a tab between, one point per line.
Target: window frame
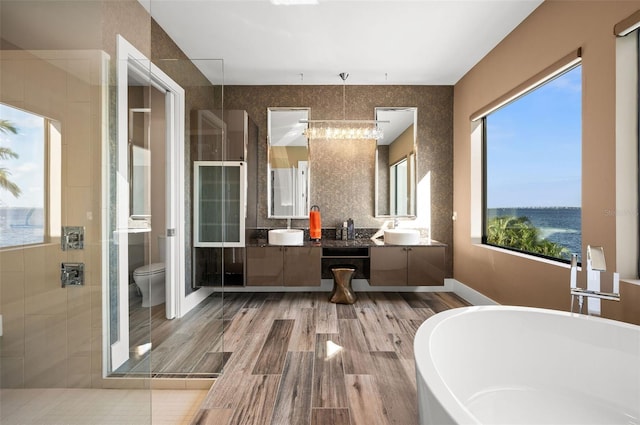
558	69
51	223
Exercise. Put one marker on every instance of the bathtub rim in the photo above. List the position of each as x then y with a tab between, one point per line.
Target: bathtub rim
431	378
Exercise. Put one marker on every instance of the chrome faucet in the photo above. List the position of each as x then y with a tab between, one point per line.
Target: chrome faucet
595	265
289	223
396	222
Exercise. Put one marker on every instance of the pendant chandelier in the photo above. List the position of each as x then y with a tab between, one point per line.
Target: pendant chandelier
343	129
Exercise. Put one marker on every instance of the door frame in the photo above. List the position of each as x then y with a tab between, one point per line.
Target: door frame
130	59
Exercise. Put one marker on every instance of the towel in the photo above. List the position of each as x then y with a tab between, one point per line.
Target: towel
315	226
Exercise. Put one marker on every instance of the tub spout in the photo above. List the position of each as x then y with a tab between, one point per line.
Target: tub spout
574	271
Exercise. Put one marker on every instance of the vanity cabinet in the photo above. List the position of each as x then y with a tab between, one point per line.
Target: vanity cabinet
264	266
407	266
283	266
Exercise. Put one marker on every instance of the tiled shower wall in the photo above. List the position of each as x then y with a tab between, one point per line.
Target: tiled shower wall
52	335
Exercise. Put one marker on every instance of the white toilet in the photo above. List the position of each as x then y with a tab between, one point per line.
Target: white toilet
150	279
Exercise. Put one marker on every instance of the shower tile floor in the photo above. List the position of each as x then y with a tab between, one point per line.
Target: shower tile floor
98	407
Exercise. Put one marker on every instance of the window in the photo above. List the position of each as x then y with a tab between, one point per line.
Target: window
532	171
29	177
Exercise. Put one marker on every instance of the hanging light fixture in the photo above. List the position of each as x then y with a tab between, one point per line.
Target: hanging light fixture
343	129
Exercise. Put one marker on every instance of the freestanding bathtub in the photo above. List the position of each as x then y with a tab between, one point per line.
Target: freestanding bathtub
518	365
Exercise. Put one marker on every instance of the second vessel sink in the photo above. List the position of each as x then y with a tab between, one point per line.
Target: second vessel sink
402	236
285	237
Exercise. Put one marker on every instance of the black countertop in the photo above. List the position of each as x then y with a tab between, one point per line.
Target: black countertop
355	243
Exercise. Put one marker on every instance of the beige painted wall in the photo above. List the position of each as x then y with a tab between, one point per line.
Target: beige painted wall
287	156
552	31
402	146
158	170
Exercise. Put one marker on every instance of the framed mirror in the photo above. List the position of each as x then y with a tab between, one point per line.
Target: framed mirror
396	159
287	163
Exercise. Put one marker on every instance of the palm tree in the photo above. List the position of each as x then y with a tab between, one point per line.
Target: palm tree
519	233
6	153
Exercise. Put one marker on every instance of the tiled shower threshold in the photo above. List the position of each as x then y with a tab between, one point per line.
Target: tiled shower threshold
58	406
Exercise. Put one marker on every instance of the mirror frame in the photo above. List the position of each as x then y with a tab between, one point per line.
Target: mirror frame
412	158
270	110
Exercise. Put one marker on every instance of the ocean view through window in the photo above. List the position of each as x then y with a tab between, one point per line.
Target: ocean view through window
22	177
533	167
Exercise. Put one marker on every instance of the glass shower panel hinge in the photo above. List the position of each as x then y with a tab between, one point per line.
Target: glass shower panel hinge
72	274
72	237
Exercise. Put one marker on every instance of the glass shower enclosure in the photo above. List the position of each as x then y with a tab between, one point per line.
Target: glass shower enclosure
113	200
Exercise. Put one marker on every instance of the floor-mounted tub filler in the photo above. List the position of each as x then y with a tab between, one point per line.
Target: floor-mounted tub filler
520	365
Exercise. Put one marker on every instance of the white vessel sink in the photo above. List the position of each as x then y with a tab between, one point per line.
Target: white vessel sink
402	236
285	237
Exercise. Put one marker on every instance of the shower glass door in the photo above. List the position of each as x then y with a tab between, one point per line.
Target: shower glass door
154	211
56	67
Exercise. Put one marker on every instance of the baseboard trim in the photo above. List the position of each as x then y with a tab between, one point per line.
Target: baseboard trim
469	294
362	285
326	285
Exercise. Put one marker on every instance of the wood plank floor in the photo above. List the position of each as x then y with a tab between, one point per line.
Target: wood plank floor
296	359
189	347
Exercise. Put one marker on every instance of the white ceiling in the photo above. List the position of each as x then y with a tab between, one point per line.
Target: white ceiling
412	42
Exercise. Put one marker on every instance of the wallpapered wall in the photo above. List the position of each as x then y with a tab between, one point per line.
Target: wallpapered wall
342	172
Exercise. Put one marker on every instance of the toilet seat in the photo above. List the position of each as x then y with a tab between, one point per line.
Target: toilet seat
149	269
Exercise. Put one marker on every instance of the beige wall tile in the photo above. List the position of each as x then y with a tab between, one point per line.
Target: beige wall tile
79	372
11	288
78	165
78	202
96	351
12	372
35	273
45	363
95	251
78	125
55	256
93	228
45	88
12	260
53	333
12	80
13	329
52	300
96	306
79	80
78	321
96	379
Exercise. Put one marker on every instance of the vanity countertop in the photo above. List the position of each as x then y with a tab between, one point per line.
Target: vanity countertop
355	243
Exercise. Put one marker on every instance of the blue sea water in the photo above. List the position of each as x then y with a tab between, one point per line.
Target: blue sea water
562	225
21	226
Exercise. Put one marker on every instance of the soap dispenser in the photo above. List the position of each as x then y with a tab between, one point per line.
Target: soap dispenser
315	226
351	230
